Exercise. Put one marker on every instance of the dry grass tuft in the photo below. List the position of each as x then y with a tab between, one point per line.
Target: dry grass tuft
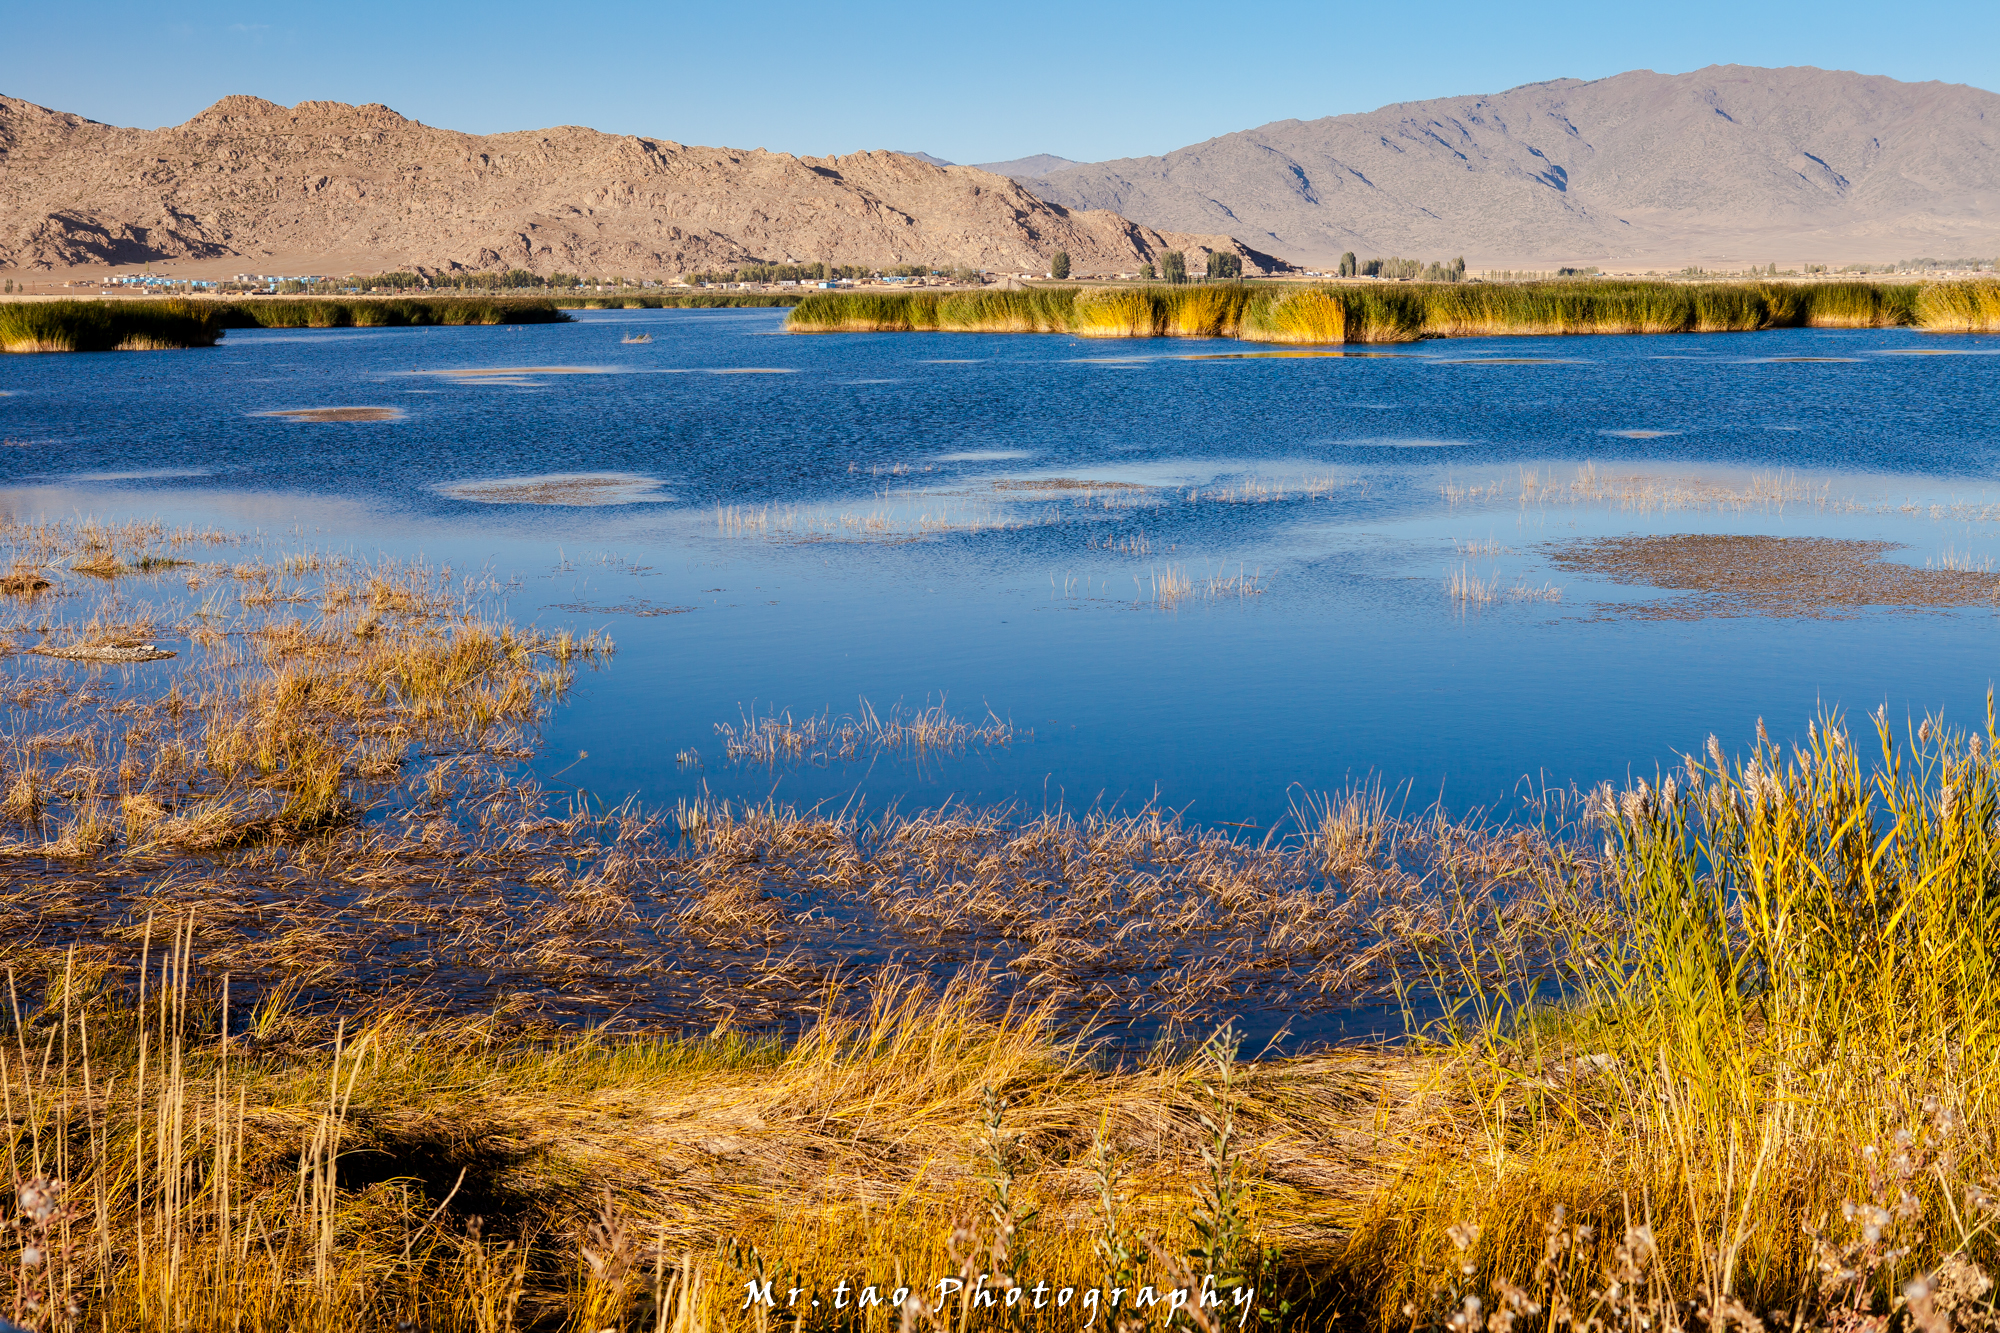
24	579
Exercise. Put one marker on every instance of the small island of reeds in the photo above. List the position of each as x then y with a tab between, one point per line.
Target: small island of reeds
1404	312
156	325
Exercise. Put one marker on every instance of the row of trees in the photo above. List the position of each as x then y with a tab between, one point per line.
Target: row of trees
1172	266
1444	270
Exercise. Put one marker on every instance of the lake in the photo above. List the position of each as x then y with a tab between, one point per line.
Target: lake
1183	573
865	574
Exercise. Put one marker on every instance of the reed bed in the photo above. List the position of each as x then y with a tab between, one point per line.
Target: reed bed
1960	307
104	326
158	325
389	312
1404	312
1760	1079
682	301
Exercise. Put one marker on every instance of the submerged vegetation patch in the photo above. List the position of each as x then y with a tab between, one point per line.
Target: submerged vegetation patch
1404	312
1726	574
333	414
578	489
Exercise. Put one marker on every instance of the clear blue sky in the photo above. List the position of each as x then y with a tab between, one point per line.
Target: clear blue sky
974	81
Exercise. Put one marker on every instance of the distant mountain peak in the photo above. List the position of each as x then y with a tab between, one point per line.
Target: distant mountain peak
1027	168
1725	164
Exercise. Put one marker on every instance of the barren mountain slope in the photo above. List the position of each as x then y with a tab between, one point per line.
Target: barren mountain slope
1728	162
367	190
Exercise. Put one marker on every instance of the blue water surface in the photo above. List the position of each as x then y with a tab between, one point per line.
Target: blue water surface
988	521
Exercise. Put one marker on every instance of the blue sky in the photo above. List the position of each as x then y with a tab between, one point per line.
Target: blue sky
971	82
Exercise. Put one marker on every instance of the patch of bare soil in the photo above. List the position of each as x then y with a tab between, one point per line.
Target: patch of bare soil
1741	575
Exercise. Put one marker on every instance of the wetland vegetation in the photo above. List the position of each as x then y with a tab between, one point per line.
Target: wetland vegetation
154	325
323	1013
1299	313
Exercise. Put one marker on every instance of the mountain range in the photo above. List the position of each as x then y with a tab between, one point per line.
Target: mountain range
1729	164
1722	167
324	187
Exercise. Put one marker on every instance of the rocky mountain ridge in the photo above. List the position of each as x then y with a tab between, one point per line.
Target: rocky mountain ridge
328	187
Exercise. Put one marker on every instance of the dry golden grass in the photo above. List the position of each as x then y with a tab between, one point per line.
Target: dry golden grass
300	1069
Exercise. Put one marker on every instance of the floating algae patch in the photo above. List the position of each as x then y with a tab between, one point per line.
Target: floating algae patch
577	489
1722	574
1639	434
1799	360
337	414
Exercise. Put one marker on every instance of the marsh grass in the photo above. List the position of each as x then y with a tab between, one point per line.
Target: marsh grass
1403	312
1766	1059
391	312
156	325
1960	307
681	301
105	326
184	1157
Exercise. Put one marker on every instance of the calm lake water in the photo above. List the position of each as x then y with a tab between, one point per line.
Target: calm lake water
1193	573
